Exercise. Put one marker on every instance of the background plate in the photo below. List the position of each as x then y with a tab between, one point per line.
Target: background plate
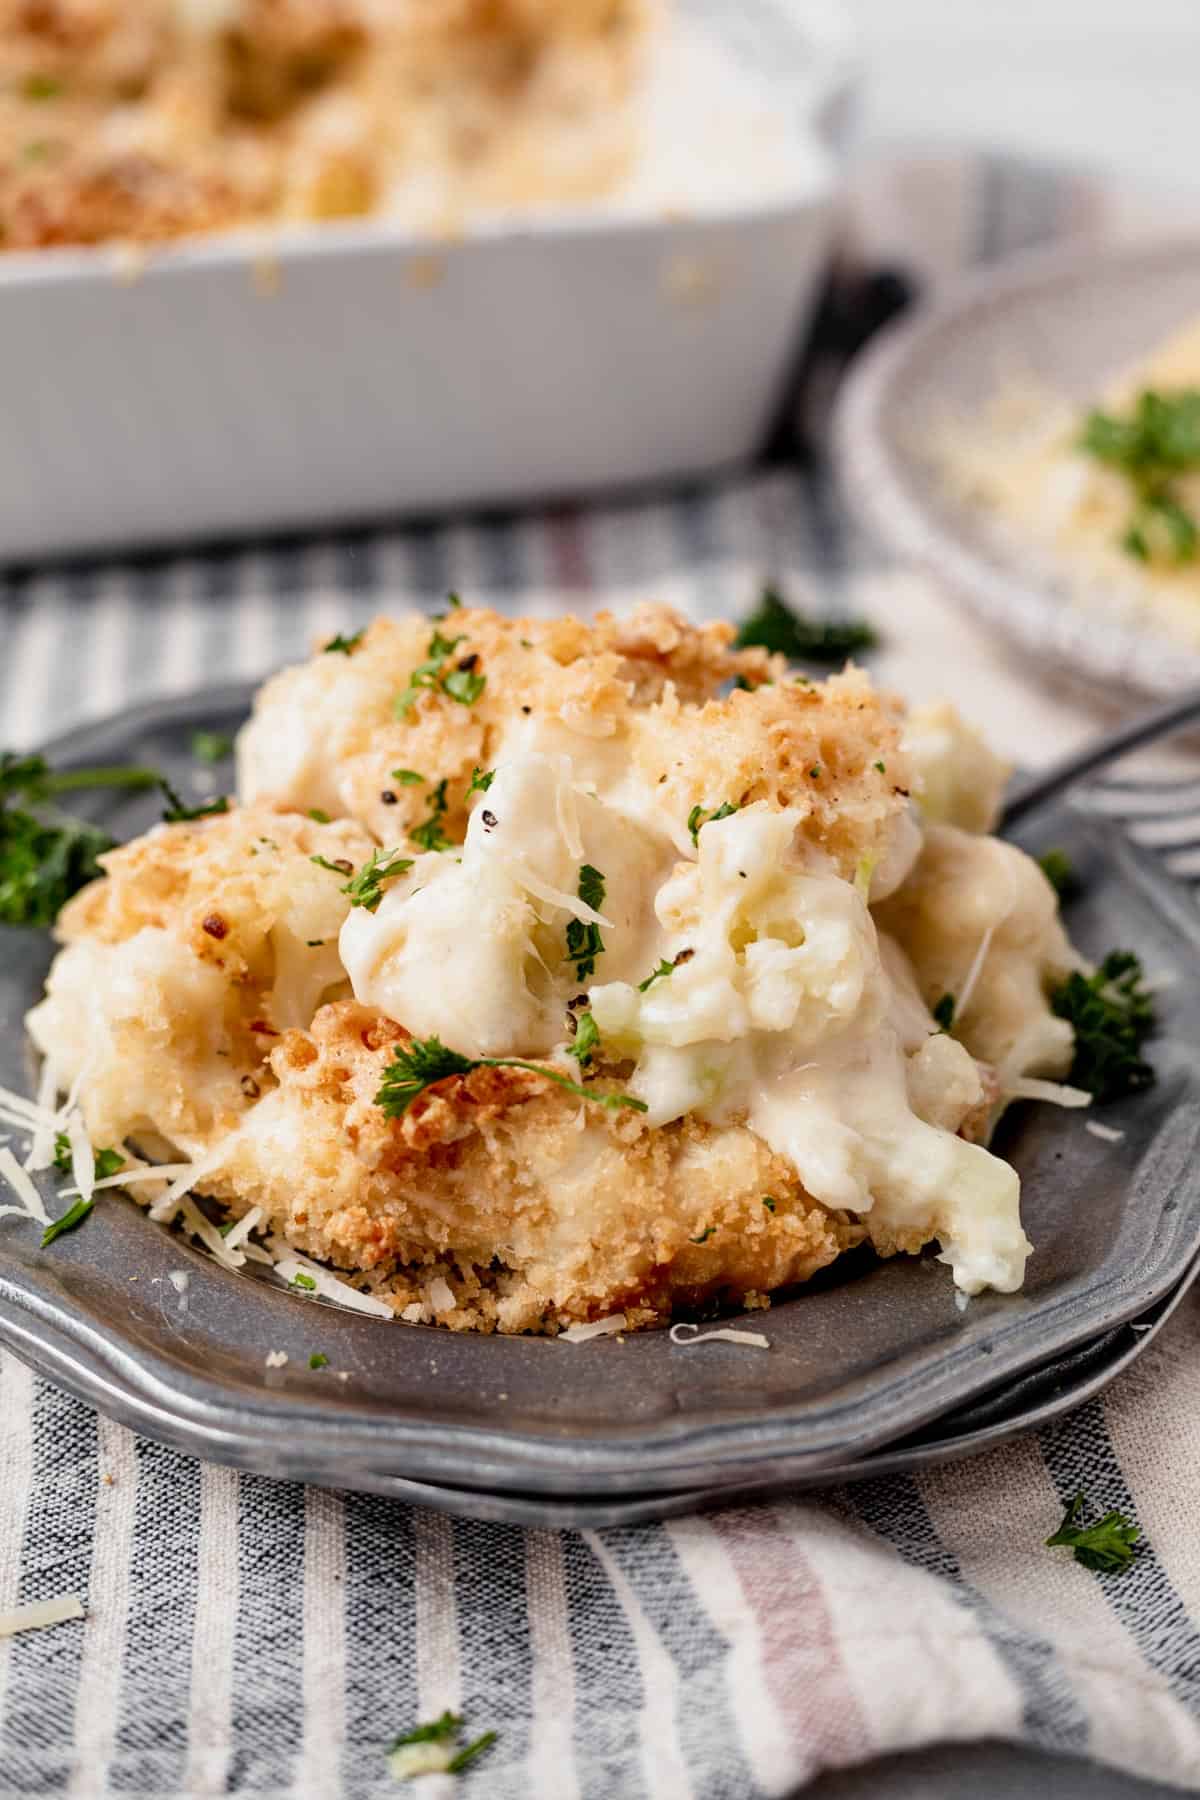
1070	320
869	1354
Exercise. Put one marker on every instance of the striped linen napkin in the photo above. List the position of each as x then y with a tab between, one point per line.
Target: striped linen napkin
250	1637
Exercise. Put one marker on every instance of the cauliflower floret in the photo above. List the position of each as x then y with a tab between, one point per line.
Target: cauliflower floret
201	943
979	922
959	780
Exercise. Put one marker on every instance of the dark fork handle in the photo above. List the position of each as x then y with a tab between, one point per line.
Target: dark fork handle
1146	728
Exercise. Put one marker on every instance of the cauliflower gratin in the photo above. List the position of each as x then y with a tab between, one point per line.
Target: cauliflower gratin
546	973
153	119
1110	495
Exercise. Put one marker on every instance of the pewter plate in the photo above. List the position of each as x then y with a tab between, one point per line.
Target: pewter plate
867	1355
1068	319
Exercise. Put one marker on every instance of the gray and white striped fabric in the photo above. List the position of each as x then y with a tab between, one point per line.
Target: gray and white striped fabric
249	1637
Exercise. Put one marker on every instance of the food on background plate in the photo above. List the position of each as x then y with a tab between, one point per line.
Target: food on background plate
1111	492
148	120
551	972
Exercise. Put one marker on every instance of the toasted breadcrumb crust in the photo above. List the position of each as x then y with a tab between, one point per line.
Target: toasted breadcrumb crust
652	683
534	1209
147	120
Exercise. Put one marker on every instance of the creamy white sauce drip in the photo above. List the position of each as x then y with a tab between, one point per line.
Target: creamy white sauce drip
783	1007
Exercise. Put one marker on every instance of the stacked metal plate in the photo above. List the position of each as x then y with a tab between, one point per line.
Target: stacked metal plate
872	1367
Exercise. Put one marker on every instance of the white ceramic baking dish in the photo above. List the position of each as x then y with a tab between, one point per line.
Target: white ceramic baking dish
246	383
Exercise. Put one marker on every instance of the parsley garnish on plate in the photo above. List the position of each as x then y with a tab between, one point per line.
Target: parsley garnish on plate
778	627
1108	1546
1112	1016
421	1062
345	645
663	970
107	1161
366	888
46	855
70	1219
178	812
1059	871
481	780
408	777
584	943
698	817
1156	442
429	834
318	1360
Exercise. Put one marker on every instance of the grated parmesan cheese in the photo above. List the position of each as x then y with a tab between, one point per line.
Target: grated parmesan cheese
276	1359
725	1334
1107	1133
40	1613
23	1187
1057	1093
581	1334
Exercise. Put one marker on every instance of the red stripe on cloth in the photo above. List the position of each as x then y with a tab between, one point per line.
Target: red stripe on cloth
568	555
800	1654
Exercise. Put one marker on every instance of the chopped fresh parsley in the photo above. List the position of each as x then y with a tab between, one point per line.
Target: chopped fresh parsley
1108	1546
481	780
346	645
584	943
210	746
1112	1016
442	1731
429	834
436	1732
421	1062
461	683
815	772
366	888
943	1012
698	817
1157	441
1056	866
178	812
469	1752
704	1235
587	1039
768	1201
663	970
46	855
775	626
464	685
70	1219
41	87
304	1281
453	604
318	816
107	1161
318	1360
408	777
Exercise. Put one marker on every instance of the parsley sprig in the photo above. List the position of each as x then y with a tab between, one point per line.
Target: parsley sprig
698	817
1108	1546
584	943
445	1730
1112	1016
420	1063
1151	446
46	855
587	1039
1059	871
778	627
346	645
178	812
107	1161
366	888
